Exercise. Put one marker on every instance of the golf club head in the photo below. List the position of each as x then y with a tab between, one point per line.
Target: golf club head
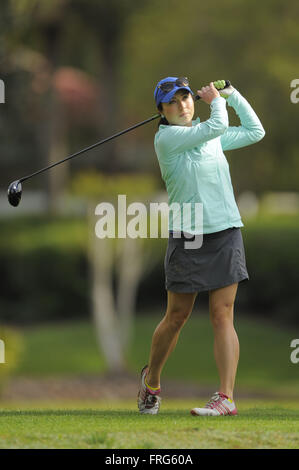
14	193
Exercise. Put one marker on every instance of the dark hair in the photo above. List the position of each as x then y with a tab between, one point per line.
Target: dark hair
163	120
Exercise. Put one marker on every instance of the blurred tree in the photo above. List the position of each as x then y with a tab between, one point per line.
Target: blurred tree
35	44
114	308
257	52
108	21
129	47
44	29
12	348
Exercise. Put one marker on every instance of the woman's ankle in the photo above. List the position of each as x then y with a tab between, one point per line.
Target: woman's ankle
153	383
228	392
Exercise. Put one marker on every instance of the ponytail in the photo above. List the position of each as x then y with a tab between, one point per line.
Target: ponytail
163	120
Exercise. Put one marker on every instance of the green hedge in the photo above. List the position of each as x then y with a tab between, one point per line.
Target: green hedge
44	269
272	257
45	276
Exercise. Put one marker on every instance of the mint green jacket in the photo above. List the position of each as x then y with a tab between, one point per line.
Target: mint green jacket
194	167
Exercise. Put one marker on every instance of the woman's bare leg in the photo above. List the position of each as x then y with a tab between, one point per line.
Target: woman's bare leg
226	343
179	308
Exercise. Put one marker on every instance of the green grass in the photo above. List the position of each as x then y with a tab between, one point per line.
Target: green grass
117	425
71	349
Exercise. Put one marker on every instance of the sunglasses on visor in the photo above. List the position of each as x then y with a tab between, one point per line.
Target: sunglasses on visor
166	87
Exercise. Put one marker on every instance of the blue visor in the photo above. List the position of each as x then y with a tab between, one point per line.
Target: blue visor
168	87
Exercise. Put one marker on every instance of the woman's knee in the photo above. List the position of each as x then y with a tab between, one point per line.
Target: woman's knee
221	305
177	317
179	308
222	315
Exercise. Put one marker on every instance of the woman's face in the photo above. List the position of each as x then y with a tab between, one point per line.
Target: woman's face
180	109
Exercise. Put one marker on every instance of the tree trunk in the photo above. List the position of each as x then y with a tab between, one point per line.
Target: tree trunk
114	317
57	150
103	307
56	127
129	270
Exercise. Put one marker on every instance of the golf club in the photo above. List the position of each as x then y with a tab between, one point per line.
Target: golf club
15	188
227	84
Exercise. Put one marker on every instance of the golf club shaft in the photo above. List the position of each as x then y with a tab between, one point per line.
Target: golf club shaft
90	147
227	83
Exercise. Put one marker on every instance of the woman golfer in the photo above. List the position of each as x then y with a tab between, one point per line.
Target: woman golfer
195	170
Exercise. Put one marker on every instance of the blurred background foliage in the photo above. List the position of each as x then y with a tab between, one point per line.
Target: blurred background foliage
45	272
92	67
11	353
77	71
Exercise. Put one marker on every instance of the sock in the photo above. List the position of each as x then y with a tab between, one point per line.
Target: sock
223	394
154	389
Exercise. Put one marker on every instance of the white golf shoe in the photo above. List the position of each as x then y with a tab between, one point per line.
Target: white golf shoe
218	405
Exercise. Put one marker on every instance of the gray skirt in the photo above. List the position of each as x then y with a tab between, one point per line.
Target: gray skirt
219	262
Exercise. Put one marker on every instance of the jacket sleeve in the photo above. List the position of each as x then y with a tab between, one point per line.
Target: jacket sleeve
251	129
174	140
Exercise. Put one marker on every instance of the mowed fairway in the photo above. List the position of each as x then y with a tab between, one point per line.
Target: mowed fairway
69	350
117	425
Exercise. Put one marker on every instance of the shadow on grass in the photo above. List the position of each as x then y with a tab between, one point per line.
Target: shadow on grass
252	413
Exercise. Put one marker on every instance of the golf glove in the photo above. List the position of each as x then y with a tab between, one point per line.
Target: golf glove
225	93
